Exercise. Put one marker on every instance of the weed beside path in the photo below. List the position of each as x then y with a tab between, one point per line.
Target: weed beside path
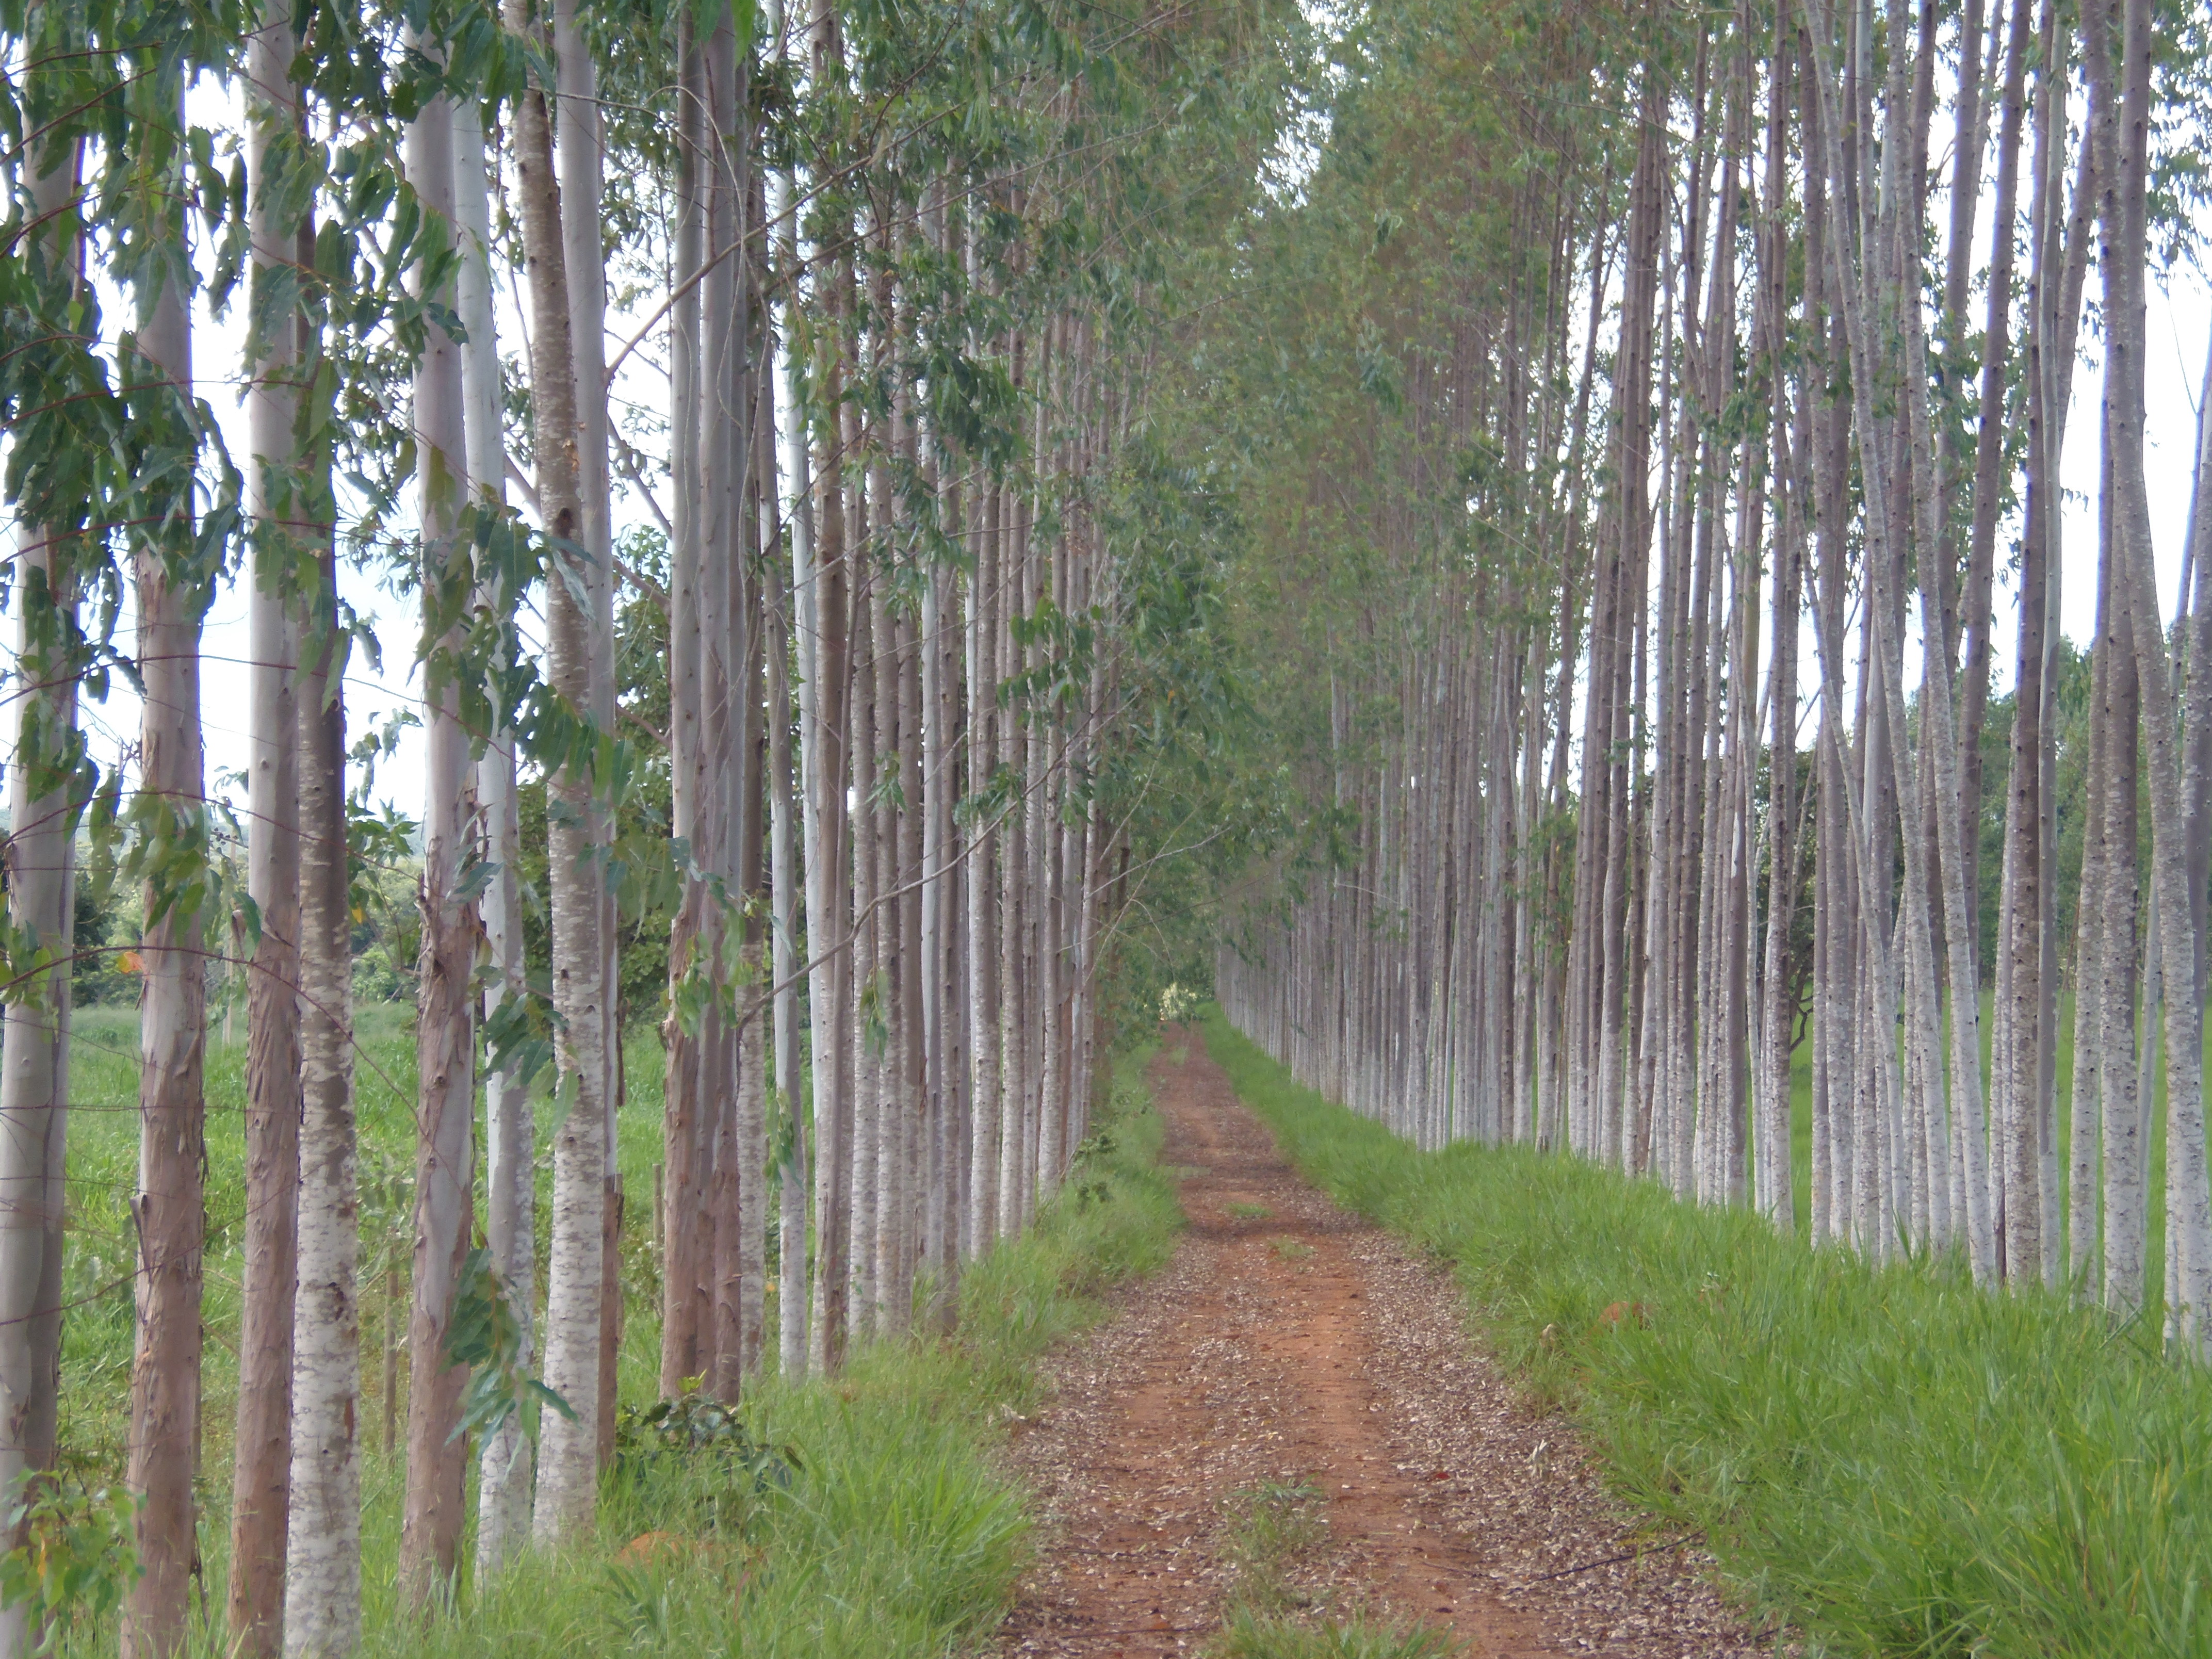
1891	1460
866	1518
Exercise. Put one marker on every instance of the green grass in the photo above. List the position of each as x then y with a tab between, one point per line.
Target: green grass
1249	1635
103	1169
889	1532
1800	1103
1269	1527
1894	1462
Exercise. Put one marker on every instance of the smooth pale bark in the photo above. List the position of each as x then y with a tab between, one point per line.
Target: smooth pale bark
938	1253
980	878
45	802
870	1037
748	649
261	1484
444	1026
34	1079
2121	115
1014	991
717	1187
1989	446
1773	1152
168	1210
580	160
322	1568
788	1132
505	1465
683	1272
790	645
2116	1117
2125	1276
821	583
1050	852
568	1476
746	1218
817	597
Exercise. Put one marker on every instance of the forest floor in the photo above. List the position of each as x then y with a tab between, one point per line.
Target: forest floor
1290	1425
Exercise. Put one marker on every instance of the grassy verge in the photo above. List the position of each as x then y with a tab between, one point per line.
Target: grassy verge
861	1518
1891	1460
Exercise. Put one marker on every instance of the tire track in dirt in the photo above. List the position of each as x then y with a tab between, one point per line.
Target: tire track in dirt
1289	1342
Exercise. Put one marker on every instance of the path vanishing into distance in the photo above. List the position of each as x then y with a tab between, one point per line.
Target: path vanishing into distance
1294	1354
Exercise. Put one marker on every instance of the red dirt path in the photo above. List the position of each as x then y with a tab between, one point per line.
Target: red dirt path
1289	1341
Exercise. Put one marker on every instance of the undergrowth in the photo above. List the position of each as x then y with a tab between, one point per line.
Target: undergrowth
1889	1459
856	1519
860	1519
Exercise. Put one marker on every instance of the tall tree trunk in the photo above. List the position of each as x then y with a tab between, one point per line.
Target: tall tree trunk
980	878
568	1480
45	799
789	781
445	1028
169	1209
822	582
261	1485
506	1465
2120	122
683	1271
581	160
322	1562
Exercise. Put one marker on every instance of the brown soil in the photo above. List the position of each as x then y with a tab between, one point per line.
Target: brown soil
1290	1342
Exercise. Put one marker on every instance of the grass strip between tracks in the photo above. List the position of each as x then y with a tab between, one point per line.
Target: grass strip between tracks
1891	1460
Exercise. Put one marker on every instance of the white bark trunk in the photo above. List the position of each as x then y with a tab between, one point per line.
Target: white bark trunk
568	1483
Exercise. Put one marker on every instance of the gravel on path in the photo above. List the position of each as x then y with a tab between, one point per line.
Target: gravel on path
1290	1345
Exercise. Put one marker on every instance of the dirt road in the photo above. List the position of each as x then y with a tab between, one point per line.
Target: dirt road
1293	1354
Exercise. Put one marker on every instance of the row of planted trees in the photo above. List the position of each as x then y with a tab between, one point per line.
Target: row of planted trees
1701	467
856	297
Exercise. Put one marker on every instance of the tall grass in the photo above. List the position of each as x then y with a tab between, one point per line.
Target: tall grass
877	1526
1890	1459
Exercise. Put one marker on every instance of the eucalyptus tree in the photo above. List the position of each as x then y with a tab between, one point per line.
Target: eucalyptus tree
173	570
445	1030
55	502
1809	441
504	1482
279	499
568	1472
2117	54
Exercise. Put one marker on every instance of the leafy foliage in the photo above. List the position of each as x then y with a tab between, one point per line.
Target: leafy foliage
77	1558
485	1333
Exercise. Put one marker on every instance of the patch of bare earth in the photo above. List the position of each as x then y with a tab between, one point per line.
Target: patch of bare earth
1291	1343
